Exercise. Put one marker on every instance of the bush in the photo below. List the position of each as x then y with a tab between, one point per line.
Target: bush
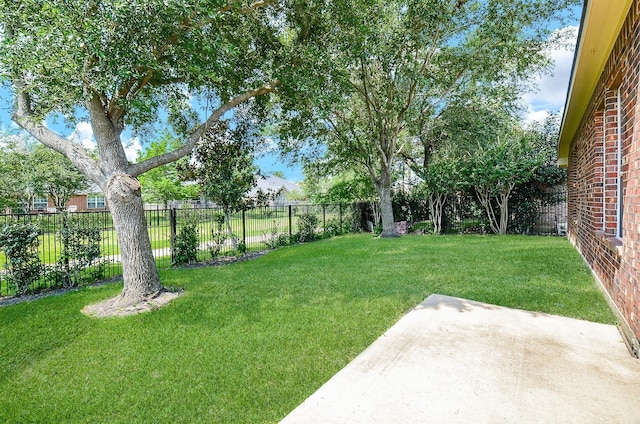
186	244
307	224
20	244
80	250
275	239
218	236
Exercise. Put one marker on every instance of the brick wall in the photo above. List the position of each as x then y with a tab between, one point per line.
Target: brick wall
604	192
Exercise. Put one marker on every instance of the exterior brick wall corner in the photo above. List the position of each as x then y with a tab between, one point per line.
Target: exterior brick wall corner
604	180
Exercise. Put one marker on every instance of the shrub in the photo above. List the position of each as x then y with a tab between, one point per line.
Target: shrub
186	244
80	250
20	244
275	239
218	236
307	224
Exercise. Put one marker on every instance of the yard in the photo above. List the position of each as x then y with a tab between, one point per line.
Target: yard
248	342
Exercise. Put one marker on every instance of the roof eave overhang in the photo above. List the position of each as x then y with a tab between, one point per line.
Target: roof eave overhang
601	22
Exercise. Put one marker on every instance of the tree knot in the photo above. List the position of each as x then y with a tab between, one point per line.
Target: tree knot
123	188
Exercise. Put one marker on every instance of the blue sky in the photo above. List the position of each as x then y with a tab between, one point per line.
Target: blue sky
550	96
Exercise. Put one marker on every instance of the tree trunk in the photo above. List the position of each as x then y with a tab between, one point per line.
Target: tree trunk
227	220
386	208
141	280
504	212
436	207
484	195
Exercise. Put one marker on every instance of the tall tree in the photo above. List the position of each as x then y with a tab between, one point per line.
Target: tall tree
406	60
54	175
15	189
118	64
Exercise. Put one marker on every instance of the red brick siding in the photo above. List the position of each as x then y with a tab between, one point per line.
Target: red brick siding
593	177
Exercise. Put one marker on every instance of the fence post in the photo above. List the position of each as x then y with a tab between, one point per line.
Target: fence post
324	218
244	227
340	215
172	226
290	220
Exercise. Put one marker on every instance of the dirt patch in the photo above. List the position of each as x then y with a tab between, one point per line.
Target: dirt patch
112	308
226	260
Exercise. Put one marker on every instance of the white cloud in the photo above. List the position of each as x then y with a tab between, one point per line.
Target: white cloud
552	88
83	134
132	148
531	116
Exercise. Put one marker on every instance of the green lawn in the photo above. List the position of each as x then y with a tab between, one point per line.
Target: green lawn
248	342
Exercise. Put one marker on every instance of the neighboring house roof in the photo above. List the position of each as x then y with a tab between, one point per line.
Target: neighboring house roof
273	184
601	22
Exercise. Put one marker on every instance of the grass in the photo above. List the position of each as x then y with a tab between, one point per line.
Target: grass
248	342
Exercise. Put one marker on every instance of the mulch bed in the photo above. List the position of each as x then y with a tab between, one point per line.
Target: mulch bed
222	260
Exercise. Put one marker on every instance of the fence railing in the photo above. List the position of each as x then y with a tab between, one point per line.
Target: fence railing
244	231
253	229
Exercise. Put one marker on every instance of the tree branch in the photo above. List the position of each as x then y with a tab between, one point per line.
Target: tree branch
144	166
77	154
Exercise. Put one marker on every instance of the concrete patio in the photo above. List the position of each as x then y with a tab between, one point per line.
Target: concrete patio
452	360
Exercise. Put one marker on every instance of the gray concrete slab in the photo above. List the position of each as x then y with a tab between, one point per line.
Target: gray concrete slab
452	360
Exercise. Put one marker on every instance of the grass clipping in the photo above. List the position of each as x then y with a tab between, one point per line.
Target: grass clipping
111	308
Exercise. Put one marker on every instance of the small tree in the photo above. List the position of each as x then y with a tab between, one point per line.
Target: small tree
496	168
546	185
223	166
28	169
80	250
54	175
442	179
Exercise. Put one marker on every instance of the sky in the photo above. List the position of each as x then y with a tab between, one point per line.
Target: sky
550	96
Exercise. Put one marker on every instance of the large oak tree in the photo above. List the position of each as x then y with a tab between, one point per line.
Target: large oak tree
124	64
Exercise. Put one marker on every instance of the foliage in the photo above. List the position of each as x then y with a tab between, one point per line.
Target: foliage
186	243
80	250
307	225
163	184
29	169
326	186
55	176
20	244
410	206
131	65
222	164
407	61
541	190
14	165
275	238
497	167
218	236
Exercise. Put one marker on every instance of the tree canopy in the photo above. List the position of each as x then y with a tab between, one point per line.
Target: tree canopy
163	184
124	64
29	169
402	64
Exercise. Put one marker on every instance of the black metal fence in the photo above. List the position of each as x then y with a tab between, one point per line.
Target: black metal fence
546	214
244	231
